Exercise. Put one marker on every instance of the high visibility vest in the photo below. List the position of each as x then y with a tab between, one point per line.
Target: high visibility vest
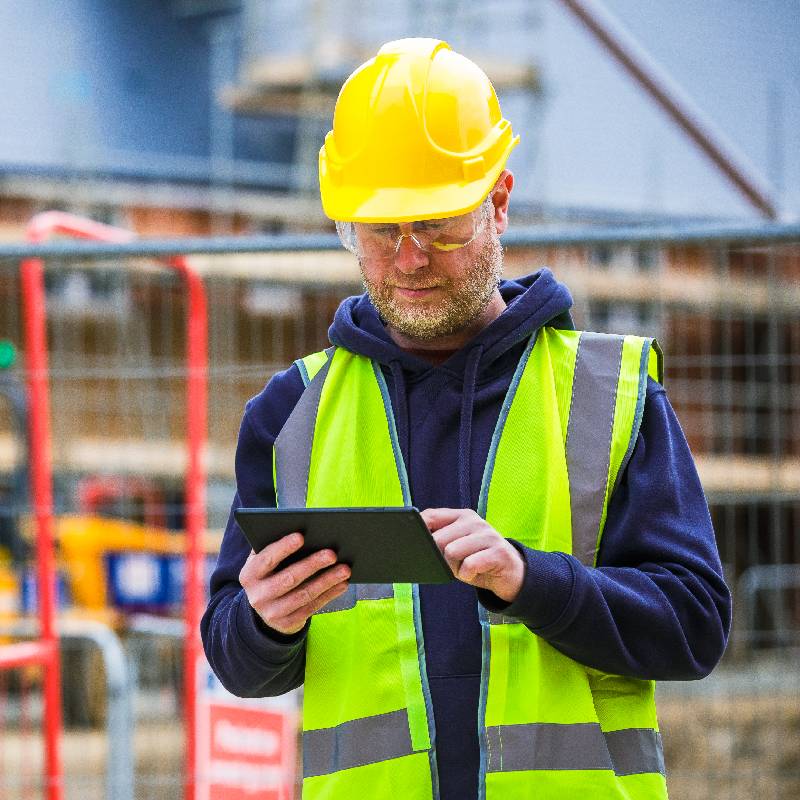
549	728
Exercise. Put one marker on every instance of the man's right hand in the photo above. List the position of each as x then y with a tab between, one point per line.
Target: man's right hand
286	598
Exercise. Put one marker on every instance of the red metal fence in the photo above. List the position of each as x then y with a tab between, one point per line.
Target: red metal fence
44	650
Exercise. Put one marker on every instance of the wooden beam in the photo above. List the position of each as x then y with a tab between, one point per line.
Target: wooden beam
753	475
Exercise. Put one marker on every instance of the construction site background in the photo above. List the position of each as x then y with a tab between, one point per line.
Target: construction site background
238	158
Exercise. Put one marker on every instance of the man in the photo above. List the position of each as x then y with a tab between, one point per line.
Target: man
550	466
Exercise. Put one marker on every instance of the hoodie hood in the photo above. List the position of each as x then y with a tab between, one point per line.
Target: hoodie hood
532	302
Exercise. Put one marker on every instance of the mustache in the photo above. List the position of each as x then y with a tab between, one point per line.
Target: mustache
407	282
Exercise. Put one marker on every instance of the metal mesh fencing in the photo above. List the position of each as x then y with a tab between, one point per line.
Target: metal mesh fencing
21	745
118	417
727	314
725	308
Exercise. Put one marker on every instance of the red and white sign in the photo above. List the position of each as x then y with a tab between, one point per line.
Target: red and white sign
247	747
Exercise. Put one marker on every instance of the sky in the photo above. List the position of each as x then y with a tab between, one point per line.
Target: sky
603	142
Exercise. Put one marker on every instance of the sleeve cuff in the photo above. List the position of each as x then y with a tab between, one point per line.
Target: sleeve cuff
545	593
266	643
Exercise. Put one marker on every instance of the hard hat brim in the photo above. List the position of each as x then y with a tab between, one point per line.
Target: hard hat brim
404	204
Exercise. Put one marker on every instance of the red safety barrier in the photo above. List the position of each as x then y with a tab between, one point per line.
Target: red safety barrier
45	650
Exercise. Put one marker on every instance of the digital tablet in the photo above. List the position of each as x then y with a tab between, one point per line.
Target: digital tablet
380	545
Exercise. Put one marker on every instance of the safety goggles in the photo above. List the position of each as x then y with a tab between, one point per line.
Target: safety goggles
381	240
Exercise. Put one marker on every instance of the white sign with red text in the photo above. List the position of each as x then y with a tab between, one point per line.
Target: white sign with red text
247	747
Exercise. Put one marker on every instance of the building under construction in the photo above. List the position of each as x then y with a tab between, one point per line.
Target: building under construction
257	86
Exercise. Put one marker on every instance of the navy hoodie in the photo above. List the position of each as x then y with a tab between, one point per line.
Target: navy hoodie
656	606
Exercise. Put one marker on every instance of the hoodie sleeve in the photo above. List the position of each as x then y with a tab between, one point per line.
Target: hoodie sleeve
656	606
250	659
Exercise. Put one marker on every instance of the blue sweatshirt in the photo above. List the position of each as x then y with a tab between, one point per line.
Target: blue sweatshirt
656	606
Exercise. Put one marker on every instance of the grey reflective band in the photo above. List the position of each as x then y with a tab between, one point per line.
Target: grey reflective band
636	750
293	445
591	419
358	591
500	619
354	744
544	745
579	746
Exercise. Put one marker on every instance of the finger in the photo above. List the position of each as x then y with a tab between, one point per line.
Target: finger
248	569
463	526
311	608
308	592
282	581
480	567
436	518
464	546
264	562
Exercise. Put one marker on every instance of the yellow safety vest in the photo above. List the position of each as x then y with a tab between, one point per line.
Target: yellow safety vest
549	727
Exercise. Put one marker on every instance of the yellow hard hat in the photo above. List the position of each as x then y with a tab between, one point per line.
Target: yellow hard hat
417	134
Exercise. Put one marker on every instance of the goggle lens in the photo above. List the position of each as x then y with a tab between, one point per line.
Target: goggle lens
382	240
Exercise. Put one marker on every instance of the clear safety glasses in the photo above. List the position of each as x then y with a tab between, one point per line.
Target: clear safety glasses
382	240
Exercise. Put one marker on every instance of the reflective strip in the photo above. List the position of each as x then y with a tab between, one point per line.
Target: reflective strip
546	745
583	746
354	744
358	591
635	750
311	365
591	420
293	445
500	619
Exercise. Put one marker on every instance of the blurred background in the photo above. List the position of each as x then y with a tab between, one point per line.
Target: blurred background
658	175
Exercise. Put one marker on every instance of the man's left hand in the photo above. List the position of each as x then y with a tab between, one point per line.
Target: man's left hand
476	552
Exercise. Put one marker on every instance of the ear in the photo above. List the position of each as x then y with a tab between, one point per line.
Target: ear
500	197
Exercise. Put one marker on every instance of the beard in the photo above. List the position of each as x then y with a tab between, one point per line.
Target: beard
465	296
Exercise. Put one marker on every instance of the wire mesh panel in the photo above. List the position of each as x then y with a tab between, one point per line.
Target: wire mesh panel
725	310
727	315
257	328
118	415
21	743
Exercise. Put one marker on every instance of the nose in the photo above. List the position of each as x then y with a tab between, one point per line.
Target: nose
410	256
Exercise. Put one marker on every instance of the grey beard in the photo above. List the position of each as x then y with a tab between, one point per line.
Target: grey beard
466	298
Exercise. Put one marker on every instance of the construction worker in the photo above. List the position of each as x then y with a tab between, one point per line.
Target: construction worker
552	472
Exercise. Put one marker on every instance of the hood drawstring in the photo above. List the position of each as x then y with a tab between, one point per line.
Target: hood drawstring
401	408
465	428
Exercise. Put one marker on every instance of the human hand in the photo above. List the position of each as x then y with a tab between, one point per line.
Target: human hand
476	552
285	598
